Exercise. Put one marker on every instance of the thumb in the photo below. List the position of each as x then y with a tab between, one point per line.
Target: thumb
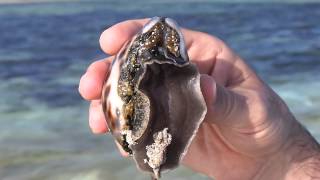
224	105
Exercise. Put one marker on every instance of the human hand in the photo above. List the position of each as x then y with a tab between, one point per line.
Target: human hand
248	132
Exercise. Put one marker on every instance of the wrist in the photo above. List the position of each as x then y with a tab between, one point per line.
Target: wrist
305	157
299	158
308	169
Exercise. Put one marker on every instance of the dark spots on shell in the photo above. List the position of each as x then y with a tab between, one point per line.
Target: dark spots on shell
117	112
112	121
109	118
154	36
125	145
172	41
127	110
140	119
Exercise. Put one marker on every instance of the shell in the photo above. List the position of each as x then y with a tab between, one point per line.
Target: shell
152	98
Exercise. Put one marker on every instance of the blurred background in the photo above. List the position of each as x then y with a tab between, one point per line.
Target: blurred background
45	46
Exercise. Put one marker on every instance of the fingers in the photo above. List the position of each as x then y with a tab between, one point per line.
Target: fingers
98	124
202	48
91	82
112	39
97	120
90	88
224	106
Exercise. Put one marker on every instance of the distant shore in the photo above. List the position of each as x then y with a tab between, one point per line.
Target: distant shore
235	1
31	1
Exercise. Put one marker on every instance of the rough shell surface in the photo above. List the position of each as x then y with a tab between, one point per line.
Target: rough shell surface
152	98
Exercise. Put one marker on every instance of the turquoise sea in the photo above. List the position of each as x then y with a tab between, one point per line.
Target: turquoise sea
45	47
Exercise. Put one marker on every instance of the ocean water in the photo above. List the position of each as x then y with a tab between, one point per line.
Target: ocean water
45	47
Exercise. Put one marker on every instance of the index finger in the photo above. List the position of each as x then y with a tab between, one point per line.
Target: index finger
113	38
202	48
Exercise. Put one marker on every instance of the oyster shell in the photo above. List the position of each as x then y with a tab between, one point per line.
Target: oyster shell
152	99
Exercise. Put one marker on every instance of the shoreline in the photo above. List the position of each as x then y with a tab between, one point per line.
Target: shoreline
32	1
216	1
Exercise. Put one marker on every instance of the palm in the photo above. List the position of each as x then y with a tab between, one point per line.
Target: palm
238	129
